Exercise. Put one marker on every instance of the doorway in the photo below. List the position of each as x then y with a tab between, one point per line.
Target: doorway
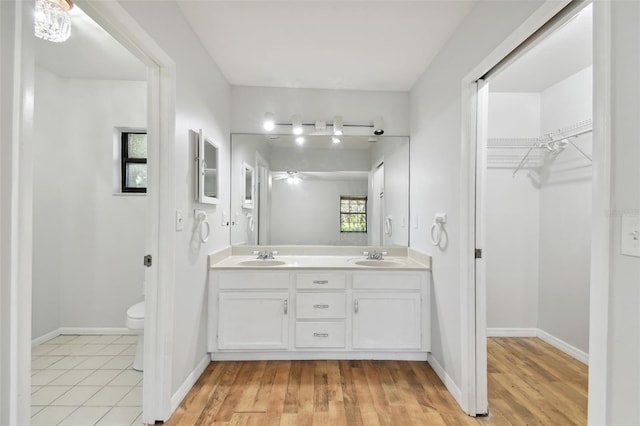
534	194
89	216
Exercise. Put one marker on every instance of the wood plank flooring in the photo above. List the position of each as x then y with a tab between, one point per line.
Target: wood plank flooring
530	382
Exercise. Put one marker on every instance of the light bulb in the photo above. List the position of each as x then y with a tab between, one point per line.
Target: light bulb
335	139
300	140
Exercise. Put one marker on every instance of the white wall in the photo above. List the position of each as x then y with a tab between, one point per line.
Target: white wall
356	107
623	341
436	138
87	242
565	217
538	239
202	101
309	213
512	216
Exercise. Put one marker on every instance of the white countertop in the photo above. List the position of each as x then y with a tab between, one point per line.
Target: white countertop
396	263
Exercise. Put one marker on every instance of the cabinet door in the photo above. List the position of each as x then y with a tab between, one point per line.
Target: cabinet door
386	320
253	321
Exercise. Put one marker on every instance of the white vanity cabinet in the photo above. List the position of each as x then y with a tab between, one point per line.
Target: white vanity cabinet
388	311
319	314
252	311
254	320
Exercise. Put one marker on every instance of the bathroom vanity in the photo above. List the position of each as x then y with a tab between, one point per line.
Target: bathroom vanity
319	307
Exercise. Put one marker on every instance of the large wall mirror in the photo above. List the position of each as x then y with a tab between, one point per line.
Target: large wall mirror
320	193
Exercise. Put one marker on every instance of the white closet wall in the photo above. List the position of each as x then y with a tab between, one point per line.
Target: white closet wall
512	218
538	223
565	217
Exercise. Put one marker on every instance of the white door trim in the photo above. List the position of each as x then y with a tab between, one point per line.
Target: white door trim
161	106
469	310
16	168
601	215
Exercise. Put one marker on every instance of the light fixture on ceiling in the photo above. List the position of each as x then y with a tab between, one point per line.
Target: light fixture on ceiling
293	178
335	139
51	20
378	126
320	126
269	122
337	125
296	124
300	140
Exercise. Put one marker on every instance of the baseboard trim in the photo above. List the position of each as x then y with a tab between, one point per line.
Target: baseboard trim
80	331
191	380
448	382
512	332
45	337
317	355
88	331
559	344
565	347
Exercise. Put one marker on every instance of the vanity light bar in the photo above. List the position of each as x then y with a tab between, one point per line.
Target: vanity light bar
370	126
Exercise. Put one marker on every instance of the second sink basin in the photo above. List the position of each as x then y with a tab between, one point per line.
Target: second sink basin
265	262
377	263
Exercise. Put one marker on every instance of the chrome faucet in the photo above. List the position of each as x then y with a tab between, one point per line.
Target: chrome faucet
375	255
264	255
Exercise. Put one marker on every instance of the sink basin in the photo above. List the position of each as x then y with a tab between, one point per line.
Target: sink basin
378	263
265	262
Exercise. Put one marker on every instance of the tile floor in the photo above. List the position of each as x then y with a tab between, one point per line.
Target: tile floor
84	381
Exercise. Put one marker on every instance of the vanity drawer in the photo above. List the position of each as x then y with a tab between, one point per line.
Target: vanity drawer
253	280
320	335
321	281
320	305
386	281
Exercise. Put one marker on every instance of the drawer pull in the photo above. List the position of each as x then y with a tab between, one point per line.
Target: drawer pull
321	306
320	334
286	306
355	306
321	281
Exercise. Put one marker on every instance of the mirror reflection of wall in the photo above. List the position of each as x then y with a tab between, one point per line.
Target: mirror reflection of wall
298	190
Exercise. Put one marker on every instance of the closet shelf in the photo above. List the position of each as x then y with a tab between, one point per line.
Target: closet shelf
553	142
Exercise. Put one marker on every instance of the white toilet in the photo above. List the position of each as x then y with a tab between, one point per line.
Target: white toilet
135	323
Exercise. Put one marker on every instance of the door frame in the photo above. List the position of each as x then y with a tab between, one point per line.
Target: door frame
17	193
160	240
473	298
474	308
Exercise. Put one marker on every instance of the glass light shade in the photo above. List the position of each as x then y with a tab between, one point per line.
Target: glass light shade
300	140
335	139
269	122
296	124
337	125
51	21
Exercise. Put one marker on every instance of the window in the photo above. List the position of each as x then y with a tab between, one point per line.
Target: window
134	162
353	214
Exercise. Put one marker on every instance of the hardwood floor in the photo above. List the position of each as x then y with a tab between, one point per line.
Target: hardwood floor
529	383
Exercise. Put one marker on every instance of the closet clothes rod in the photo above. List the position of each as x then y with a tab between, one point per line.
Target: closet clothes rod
568	137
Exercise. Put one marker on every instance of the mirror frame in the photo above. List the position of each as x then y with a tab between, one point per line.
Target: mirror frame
201	168
248	203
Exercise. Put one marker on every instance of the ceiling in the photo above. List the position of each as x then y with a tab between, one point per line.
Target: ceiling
563	53
352	45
